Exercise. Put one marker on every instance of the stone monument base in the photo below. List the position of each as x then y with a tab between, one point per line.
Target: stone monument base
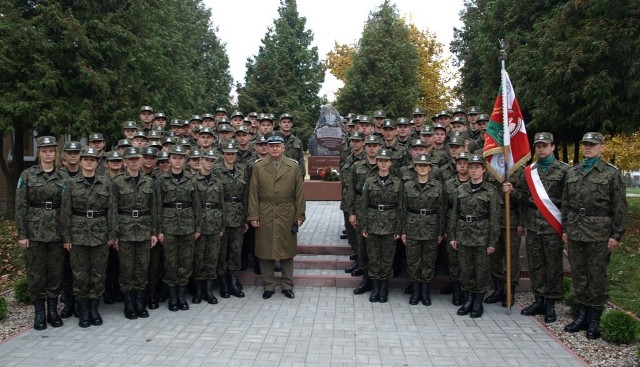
315	190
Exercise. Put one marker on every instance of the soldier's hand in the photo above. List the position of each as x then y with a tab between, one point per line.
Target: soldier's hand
255	223
196	235
565	238
299	222
161	237
396	236
365	234
454	245
67	246
246	228
613	244
404	239
490	250
24	243
439	239
507	187
353	220
521	231
221	233
154	241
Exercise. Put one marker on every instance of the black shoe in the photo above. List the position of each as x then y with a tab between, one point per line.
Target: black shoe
129	309
153	296
173	298
457	299
267	294
197	292
84	319
513	297
277	268
182	297
426	295
477	309
344	231
498	292
52	312
138	304
550	311
208	292
364	286
375	290
357	272
224	286
415	293
343	236
536	308
288	293
94	315
234	286
468	304
353	257
39	319
580	323
355	265
384	291
448	289
594	323
69	303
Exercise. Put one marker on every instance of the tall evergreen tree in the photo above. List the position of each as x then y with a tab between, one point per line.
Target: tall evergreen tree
384	71
286	74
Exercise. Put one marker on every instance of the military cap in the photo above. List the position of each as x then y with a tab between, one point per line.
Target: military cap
459	120
355	118
271	117
223	120
176	122
46	141
476	158
96	137
372	139
275	137
444	113
592	137
158	128
252	114
418	143
246	120
357	136
237	113
206	130
261	140
262	116
229	147
210	154
155	145
221	109
159	115
434	117
483	117
184	142
130	125
379	114
543	137
113	156
123	143
459	109
140	134
195	118
456	140
427	130
350	122
422	159
146	109
388	124
461	134
286	116
384	154
403	121
208	116
89	152
149	151
439	126
473	110
185	123
224	127
417	111
177	149
242	129
132	152
163	156
169	140
72	146
154	134
169	134
462	155
195	154
364	119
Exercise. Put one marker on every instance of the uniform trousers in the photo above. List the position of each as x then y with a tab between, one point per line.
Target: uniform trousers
381	249
178	259
134	264
231	250
589	262
497	263
421	259
206	256
544	255
267	267
474	268
44	263
89	267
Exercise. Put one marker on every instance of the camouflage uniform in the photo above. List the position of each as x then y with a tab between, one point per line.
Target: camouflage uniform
352	235
451	191
294	150
359	173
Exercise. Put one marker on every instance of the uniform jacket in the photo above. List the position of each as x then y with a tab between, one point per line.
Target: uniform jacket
211	196
517	209
345	177
421	226
295	150
130	196
236	190
382	222
169	191
451	191
484	201
359	173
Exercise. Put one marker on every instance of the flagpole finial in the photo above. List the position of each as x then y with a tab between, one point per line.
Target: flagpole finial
504	46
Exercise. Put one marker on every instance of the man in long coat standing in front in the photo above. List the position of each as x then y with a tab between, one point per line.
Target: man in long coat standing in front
276	210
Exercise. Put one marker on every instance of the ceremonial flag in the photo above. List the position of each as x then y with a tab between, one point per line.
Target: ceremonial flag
496	139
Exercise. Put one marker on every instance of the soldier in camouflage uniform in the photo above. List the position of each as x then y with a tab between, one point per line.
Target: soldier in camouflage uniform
293	145
418	119
38	198
544	244
357	154
439	157
207	247
381	223
423	211
399	152
231	176
474	235
112	291
245	153
472	117
594	211
96	141
456	146
136	231
88	217
179	215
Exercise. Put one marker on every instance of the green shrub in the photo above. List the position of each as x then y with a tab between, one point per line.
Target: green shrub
619	327
638	352
3	308
570	301
568	286
21	291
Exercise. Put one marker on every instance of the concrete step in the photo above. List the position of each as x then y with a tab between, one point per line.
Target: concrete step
334	249
313	261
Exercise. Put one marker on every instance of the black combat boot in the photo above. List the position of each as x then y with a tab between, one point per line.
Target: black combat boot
468	304
208	292
197	292
52	312
234	286
536	308
224	286
581	322
594	323
39	319
457	299
357	272
550	310
513	297
355	265
477	309
138	303
69	302
426	294
84	319
152	294
415	293
384	291
182	297
498	292
129	309
364	286
173	298
375	290
94	315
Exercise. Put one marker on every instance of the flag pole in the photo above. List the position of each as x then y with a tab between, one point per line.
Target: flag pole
504	45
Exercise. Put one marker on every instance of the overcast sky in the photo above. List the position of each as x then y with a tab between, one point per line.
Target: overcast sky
243	23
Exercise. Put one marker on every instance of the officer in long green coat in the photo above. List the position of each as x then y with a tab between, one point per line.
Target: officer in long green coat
594	210
276	209
38	199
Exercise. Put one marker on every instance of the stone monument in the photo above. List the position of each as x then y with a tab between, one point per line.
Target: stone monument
325	142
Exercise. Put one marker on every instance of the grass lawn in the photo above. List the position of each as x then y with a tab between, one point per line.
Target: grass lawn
633	190
624	267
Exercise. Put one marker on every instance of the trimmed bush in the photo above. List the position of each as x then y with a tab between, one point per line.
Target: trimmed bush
619	327
3	308
568	286
570	300
21	291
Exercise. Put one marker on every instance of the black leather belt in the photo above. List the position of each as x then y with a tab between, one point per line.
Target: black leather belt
232	199
382	208
423	211
135	213
178	206
474	218
210	205
90	213
49	205
591	212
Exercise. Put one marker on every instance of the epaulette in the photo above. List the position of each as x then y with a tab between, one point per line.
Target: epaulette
613	165
259	159
564	164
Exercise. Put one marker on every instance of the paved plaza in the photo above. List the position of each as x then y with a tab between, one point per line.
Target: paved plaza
322	326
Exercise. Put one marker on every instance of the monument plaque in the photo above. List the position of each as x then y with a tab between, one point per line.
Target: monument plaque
325	142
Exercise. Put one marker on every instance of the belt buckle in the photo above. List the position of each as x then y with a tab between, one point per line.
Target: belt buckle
135	213
48	205
179	206
423	211
207	206
468	218
90	214
234	200
582	211
380	208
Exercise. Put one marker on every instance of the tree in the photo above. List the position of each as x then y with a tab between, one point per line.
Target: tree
340	59
384	72
286	74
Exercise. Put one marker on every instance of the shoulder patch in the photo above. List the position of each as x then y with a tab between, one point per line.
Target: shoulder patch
20	183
